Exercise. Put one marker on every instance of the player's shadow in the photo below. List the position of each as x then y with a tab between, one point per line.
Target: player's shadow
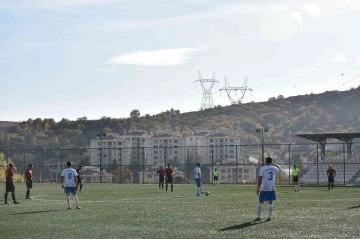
353	207
241	226
44	211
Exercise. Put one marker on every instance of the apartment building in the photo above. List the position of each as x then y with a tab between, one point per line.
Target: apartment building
111	149
137	142
212	146
165	147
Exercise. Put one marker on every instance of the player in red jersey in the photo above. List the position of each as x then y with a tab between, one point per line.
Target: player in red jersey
331	173
169	178
161	174
79	177
10	186
29	177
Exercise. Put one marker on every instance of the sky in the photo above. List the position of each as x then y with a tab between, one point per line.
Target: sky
94	58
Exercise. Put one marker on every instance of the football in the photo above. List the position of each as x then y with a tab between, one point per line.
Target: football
207	193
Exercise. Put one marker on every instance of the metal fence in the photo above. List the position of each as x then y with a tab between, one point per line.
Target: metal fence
237	164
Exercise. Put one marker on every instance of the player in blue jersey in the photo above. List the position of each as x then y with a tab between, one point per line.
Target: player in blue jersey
69	183
197	172
266	180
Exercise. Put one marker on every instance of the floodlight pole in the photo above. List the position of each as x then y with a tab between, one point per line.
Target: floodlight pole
262	143
101	136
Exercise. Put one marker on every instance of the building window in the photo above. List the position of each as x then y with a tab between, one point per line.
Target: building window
155	141
246	170
246	177
231	151
231	140
191	139
119	143
155	146
155	152
175	146
176	141
240	170
176	152
231	156
211	140
109	144
221	140
99	143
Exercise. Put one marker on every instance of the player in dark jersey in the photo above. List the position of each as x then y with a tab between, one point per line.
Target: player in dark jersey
10	186
29	177
161	174
169	178
331	173
79	177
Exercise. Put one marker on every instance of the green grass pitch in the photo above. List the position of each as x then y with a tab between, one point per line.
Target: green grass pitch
144	211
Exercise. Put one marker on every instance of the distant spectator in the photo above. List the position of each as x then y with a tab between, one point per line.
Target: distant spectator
331	173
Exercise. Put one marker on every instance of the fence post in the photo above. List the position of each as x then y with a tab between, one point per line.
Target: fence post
344	163
212	162
24	151
289	162
143	161
42	166
7	158
61	161
188	164
236	164
317	164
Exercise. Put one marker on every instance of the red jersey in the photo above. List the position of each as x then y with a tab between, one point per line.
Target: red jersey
28	174
9	173
78	172
331	172
169	172
161	172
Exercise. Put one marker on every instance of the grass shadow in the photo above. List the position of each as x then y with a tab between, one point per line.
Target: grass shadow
44	211
353	207
241	226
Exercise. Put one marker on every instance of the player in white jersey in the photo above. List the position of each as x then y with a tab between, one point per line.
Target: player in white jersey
266	180
197	172
69	183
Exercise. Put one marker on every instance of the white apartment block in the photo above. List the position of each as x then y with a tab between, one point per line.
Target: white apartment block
110	150
164	147
139	147
236	174
202	142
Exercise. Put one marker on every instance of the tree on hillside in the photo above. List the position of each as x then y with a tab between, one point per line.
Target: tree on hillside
280	97
135	114
122	175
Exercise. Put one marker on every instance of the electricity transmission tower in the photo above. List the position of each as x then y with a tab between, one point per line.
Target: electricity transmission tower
207	86
230	89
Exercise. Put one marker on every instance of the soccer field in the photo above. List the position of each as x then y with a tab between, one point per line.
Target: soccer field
144	211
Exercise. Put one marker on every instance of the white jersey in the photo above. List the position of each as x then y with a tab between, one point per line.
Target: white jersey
69	175
268	174
197	170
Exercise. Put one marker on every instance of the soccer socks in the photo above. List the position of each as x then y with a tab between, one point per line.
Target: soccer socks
6	195
68	201
80	187
166	187
28	193
271	208
198	192
159	185
259	208
172	188
13	197
201	189
76	200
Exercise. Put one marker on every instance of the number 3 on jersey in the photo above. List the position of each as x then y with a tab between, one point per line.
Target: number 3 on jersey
69	175
271	174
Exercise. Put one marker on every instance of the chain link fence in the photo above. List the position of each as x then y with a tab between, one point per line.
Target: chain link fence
237	164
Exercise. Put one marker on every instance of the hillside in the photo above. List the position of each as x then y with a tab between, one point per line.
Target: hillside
329	111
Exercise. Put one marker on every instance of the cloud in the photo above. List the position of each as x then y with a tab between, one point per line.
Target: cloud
339	58
296	17
164	57
312	9
104	69
52	3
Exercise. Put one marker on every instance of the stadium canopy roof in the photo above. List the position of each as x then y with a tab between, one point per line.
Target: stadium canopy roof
319	137
322	137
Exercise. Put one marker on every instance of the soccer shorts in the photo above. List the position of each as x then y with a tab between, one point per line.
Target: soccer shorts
216	178
161	179
29	184
198	182
70	190
79	179
10	187
267	196
331	179
295	179
169	179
